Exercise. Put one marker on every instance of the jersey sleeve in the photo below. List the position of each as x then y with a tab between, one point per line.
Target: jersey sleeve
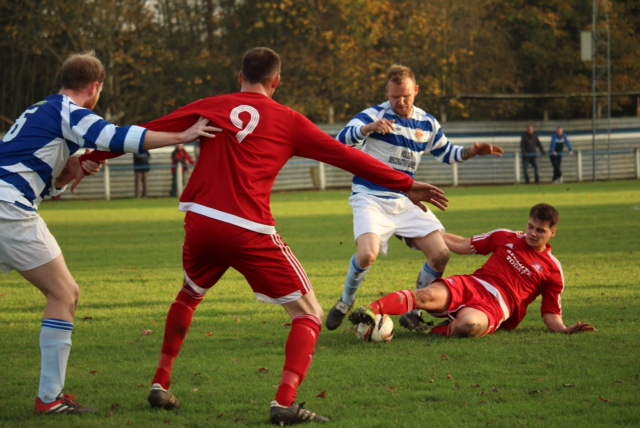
351	135
311	142
486	243
177	121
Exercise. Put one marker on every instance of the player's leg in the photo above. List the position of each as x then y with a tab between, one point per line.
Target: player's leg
276	276
367	252
27	246
55	281
437	253
469	322
435	298
372	228
203	267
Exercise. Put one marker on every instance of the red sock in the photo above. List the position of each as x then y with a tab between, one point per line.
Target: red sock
175	332
301	345
441	330
398	303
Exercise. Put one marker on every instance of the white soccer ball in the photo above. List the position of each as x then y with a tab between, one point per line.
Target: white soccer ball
380	331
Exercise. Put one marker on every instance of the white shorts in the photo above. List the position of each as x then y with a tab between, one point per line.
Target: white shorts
25	240
387	217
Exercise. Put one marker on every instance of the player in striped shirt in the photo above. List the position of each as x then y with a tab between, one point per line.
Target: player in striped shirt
397	133
36	162
496	296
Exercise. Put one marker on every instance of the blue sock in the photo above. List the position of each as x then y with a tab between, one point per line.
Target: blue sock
427	276
355	277
55	345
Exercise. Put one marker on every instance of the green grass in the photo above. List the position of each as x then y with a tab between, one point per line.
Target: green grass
126	256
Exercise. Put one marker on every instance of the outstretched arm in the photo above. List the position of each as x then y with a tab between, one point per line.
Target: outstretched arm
458	244
425	192
482	149
554	323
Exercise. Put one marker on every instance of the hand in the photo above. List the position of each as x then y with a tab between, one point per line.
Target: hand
382	126
579	328
425	192
199	129
87	167
486	149
69	173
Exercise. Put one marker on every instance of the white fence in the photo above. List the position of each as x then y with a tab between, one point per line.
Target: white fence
617	156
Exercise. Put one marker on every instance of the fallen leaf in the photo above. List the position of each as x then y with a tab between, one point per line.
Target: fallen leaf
445	357
287	324
449	377
392	388
569	385
323	394
147	332
475	385
604	400
93	372
262	370
87	318
210	334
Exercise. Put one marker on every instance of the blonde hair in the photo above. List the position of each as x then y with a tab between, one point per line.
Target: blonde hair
397	73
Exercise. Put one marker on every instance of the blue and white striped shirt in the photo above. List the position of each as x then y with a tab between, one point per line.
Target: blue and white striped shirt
401	149
36	149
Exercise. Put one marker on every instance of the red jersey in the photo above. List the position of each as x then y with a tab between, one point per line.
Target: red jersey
520	273
236	170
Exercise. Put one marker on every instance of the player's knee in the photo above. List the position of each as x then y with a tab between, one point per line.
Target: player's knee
366	258
466	329
440	260
424	296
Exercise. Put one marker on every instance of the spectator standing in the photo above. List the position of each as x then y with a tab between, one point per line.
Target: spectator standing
141	169
558	140
179	155
529	145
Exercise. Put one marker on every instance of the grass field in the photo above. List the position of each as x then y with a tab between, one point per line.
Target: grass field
125	254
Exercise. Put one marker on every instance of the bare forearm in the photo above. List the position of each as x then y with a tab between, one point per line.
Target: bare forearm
554	323
458	244
156	139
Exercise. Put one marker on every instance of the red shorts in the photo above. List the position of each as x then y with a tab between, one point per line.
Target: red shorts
212	246
467	292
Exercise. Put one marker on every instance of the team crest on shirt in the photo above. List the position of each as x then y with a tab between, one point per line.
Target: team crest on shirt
538	267
419	135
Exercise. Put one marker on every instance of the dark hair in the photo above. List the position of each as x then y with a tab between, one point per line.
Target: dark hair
397	73
80	70
546	213
260	65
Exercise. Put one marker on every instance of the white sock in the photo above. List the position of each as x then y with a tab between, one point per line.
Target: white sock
55	345
426	276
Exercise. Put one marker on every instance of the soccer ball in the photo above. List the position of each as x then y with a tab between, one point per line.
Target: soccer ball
380	331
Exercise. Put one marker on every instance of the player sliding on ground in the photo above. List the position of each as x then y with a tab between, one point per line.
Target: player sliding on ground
521	268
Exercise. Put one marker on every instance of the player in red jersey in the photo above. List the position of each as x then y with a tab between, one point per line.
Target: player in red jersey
521	268
229	223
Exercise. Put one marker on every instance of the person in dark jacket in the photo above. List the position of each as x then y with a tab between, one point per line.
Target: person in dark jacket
529	145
